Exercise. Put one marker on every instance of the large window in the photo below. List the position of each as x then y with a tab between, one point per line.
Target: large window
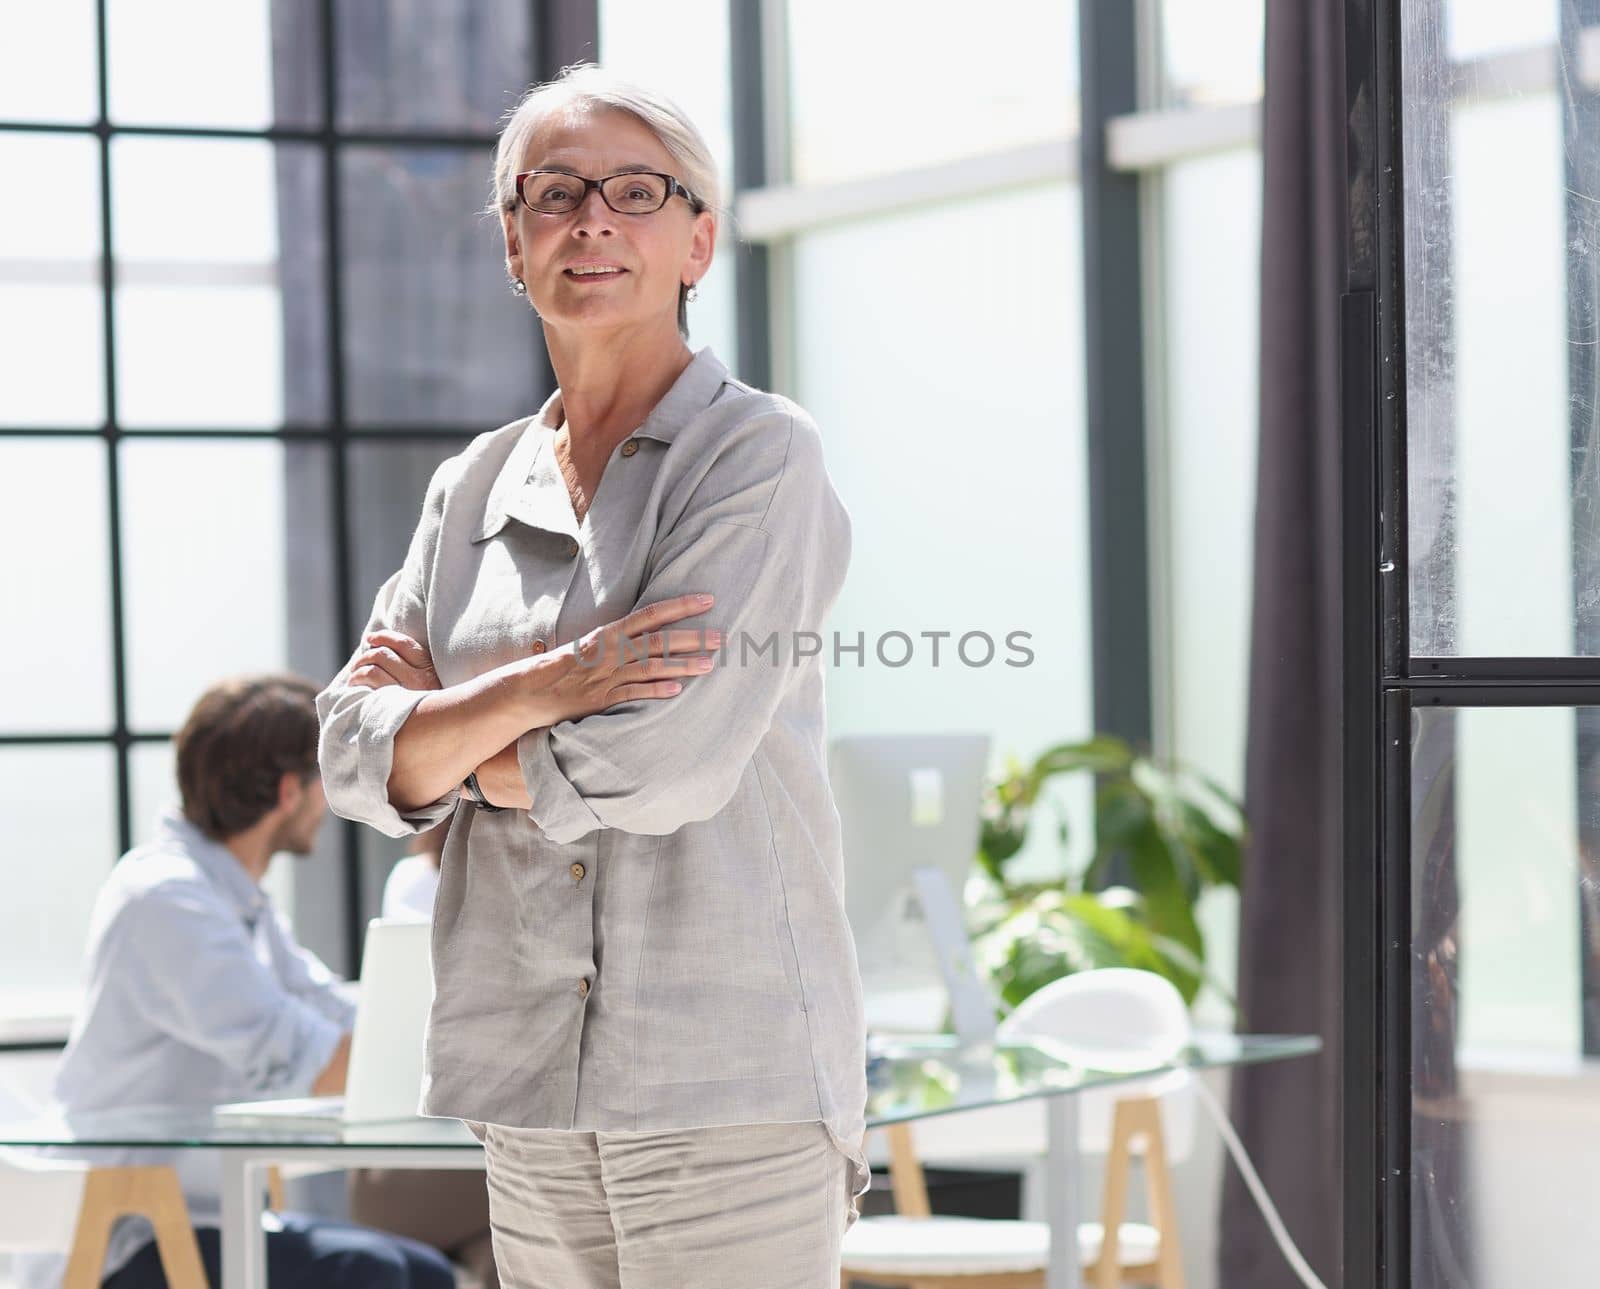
247	303
929	251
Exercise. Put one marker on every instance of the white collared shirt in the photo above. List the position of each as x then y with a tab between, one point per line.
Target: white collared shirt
197	994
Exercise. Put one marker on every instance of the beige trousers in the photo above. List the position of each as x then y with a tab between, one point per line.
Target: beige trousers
746	1206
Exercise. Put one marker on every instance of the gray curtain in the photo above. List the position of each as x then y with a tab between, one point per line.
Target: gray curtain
1289	931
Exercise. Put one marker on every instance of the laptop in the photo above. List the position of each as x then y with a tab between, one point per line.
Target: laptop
384	1083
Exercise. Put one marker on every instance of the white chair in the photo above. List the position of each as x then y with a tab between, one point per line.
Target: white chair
65	1206
1114	1018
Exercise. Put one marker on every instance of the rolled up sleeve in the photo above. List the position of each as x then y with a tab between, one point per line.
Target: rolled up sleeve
357	724
198	979
766	534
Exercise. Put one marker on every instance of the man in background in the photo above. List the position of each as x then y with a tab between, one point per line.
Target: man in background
198	993
447	1208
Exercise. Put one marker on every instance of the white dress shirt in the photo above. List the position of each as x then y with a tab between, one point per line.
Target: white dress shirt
197	994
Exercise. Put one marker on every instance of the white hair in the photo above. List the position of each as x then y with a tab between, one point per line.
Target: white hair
587	85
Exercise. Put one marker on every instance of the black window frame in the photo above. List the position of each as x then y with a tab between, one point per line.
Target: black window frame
558	34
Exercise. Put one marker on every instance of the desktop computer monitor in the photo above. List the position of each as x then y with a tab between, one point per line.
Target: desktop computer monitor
908	811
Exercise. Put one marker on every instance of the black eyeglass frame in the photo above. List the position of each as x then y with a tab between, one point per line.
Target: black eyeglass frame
674	189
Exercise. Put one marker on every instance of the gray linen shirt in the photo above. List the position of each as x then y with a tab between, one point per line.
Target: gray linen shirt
660	942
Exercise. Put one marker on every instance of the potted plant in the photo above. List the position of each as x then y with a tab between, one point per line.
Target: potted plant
1164	831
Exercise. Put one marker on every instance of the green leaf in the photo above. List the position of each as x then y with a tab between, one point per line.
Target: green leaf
1167	905
1216	853
1101	754
1122	814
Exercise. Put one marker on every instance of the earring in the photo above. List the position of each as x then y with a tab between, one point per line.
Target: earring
694	292
518	286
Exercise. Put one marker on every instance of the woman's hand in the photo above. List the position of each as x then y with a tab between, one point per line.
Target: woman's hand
391	658
633	657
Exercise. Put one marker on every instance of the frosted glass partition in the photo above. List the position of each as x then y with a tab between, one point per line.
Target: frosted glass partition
879	88
1502	221
1503	815
681	50
949	393
1474	29
58	849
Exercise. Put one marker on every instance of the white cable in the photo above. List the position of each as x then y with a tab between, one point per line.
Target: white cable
1308	1277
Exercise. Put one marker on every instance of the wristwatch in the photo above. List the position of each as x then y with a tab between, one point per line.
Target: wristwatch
476	793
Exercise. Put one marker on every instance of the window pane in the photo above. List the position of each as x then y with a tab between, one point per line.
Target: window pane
55	615
1211	51
900	378
194	62
201	305
203	546
1504	826
1477	30
50	319
387	484
431	66
1502	211
153	784
49	74
433	333
860	104
1207	467
59	850
58	217
682	51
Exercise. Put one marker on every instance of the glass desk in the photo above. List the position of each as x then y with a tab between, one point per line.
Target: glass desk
910	1077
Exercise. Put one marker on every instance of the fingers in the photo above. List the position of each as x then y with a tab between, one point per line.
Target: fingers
645	689
403	645
653	616
385	660
664	668
677	640
370	677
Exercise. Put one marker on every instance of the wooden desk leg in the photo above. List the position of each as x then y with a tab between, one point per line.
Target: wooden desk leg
148	1191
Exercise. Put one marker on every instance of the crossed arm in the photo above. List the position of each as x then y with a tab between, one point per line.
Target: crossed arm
474	726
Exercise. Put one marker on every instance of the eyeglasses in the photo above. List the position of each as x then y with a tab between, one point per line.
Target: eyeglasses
632	192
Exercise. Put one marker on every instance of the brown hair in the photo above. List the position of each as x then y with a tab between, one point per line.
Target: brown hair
243	735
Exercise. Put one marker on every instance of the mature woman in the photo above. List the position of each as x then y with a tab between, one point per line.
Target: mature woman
595	660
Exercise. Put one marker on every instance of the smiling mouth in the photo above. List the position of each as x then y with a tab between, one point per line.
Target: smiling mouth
589	276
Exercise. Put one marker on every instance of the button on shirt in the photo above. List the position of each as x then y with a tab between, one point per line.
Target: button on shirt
660	941
197	994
